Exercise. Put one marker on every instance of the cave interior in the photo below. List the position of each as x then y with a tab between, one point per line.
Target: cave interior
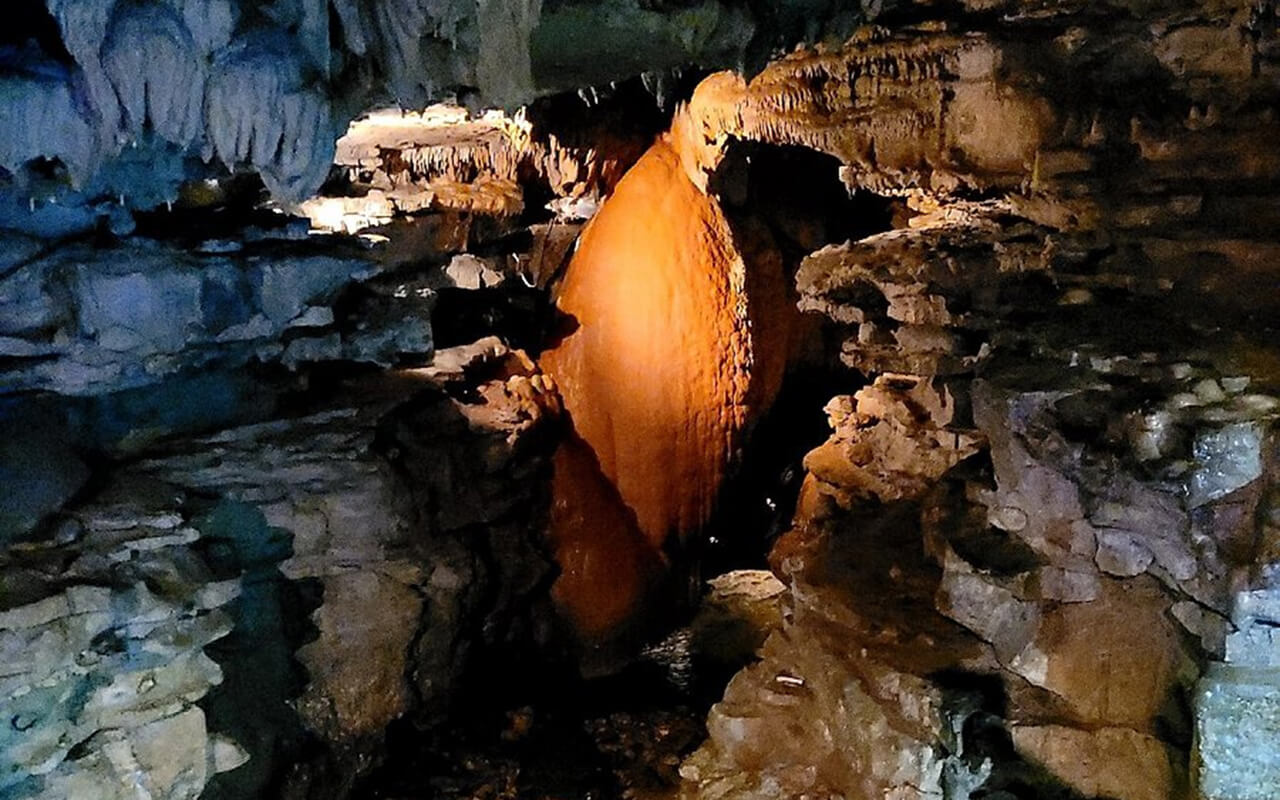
648	399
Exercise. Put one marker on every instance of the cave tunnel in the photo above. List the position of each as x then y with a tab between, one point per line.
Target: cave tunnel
709	399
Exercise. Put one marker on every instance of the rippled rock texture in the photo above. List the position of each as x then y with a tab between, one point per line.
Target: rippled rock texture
661	285
113	105
269	493
1051	510
271	544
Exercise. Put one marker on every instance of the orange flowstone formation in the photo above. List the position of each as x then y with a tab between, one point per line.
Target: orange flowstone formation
678	329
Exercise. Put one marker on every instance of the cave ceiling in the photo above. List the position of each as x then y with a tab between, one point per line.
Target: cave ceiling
288	306
128	99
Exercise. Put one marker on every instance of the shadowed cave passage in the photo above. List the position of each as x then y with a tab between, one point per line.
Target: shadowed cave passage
544	731
795	192
798	193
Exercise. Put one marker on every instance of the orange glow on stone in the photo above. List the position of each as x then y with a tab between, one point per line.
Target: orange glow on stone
676	344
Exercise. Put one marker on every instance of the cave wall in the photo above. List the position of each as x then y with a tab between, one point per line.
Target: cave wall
1051	512
1034	558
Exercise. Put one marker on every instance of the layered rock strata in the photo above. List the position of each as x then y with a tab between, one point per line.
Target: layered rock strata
1035	619
103	632
228	541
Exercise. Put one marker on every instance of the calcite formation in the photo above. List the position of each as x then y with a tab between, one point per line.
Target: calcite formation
230	85
843	673
398	163
214	539
102	632
253	86
674	338
1050	513
268	493
250	530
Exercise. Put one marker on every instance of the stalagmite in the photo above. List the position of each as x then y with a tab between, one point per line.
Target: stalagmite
676	343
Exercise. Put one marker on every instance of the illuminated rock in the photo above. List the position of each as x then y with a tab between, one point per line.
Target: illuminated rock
262	112
675	339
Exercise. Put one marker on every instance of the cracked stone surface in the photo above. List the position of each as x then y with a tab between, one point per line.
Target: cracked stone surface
1035	557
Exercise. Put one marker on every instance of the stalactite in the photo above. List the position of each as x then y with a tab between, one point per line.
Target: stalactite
84	27
263	112
152	63
211	22
38	114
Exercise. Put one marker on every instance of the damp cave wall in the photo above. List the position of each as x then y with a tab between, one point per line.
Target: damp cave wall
1067	437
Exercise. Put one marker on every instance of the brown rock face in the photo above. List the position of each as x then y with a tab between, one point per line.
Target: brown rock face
675	342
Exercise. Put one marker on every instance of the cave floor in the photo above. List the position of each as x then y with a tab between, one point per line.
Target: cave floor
623	735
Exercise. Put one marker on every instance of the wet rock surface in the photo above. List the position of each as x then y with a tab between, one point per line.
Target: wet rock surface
1037	522
275	485
269	544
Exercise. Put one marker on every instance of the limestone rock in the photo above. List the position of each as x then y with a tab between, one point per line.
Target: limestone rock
1088	485
94	320
1110	762
103	639
236	536
736	616
698	307
356	665
891	442
268	89
1236	716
